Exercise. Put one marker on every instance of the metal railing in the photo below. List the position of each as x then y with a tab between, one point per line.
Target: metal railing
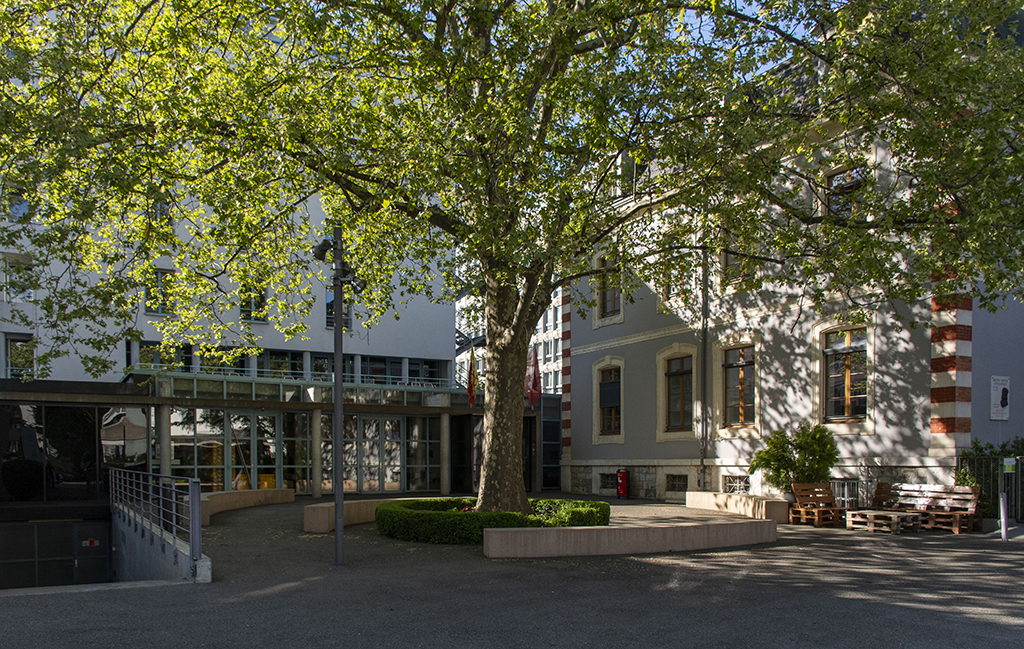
291	375
987	472
166	503
846	493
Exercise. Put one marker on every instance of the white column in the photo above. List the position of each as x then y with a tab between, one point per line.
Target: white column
446	447
316	470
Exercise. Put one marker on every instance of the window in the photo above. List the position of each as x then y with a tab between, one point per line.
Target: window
150	358
253	305
679	386
611	404
608	481
736	484
845	362
347	323
632	174
20	356
738	370
547	351
677	382
678	482
279	363
17	205
421	370
608	409
842	188
556	346
610	301
214	365
735	266
158	295
14	281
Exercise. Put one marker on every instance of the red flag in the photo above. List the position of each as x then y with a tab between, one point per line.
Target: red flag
532	385
473	380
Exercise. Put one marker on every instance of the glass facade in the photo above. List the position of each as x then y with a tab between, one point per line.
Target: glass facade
225	449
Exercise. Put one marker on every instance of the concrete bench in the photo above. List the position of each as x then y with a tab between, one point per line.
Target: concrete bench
773	509
524	542
215	502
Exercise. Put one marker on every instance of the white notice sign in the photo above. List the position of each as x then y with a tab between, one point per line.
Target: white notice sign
1000	405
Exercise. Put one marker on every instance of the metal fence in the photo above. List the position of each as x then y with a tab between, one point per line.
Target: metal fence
166	503
988	473
847	493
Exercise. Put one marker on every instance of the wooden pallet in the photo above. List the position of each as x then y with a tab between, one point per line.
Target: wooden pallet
883	521
815	504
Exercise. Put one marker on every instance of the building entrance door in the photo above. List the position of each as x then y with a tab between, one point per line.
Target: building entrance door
254	450
380	454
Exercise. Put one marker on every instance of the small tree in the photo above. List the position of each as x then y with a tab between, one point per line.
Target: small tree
807	456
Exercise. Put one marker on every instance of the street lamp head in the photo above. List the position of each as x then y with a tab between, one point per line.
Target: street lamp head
358	285
320	249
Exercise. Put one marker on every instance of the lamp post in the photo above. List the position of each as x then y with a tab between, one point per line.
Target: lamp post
343	275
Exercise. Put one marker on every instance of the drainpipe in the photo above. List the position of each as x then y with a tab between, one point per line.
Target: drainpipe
704	409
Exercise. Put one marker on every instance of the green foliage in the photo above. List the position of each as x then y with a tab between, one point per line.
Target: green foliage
1011	448
807	456
476	147
981	466
442	520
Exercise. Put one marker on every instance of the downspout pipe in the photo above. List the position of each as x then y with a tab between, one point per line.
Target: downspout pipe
704	408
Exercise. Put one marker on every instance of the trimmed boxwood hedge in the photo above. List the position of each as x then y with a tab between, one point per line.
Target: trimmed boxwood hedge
441	520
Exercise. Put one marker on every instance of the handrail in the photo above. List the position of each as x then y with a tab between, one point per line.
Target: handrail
168	503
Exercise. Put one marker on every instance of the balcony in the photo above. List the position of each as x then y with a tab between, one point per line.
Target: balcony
235	384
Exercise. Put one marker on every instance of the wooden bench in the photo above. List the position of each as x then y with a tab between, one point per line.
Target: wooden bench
815	504
893	522
942	507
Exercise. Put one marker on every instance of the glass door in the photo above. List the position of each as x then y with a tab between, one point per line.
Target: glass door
380	454
254	451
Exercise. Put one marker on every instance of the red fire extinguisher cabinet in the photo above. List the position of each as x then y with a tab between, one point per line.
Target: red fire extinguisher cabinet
622	483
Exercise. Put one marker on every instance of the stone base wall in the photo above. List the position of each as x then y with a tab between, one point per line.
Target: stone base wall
581	480
643	482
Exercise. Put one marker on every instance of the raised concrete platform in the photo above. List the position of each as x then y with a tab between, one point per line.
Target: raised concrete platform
319	517
774	509
215	502
625	539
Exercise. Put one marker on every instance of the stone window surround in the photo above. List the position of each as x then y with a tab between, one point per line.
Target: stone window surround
732	341
673	351
820	328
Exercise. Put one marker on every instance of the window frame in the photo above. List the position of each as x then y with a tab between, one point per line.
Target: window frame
847	353
251	306
157	292
10	341
346	323
751	429
745	381
663	432
849	187
819	332
599	367
602	317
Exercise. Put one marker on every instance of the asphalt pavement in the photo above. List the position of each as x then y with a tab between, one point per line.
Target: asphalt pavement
276	586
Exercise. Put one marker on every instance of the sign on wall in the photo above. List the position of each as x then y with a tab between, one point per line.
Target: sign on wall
999	409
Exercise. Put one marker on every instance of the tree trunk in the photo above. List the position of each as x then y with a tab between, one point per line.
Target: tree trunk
501	477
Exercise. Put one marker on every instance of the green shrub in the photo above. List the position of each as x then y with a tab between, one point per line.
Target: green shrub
807	456
441	520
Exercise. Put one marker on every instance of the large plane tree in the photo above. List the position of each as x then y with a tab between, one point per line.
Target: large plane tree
495	147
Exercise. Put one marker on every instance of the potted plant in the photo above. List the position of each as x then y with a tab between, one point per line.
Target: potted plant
806	456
